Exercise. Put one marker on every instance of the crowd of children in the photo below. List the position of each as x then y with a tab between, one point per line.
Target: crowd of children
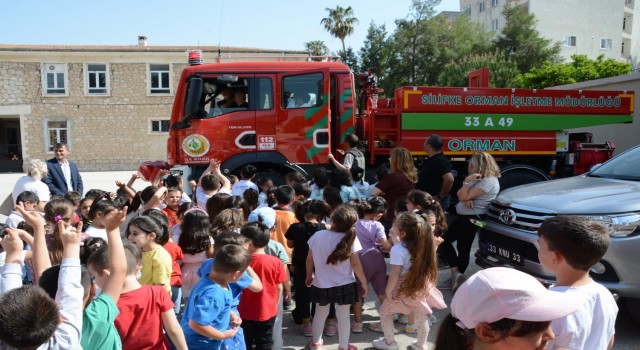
156	269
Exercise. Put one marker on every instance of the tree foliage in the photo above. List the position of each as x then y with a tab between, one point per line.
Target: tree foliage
316	48
503	73
580	69
374	53
522	43
350	58
339	23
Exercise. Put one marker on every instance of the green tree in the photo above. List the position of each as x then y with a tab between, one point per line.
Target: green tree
375	50
503	73
350	58
580	69
339	23
522	43
316	48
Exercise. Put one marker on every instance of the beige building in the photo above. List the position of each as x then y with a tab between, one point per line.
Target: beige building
589	27
111	104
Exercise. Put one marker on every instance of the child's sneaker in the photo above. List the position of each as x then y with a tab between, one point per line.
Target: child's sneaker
403	319
330	329
350	347
415	346
356	327
411	328
306	329
315	346
376	327
382	344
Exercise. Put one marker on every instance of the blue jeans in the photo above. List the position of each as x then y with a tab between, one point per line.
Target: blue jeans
176	297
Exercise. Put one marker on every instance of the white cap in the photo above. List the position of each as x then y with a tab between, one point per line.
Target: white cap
496	293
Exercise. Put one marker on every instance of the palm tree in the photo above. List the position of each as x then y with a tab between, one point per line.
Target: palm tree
316	48
339	23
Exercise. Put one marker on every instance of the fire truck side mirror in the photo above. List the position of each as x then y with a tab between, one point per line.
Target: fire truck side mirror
194	95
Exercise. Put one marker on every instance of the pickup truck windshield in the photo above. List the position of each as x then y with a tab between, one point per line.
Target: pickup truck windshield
624	167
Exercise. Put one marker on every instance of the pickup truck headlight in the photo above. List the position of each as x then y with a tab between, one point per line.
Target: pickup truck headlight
620	225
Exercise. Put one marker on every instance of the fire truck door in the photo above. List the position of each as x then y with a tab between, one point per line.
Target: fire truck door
303	120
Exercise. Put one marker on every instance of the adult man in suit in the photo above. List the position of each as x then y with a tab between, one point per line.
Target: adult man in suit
63	175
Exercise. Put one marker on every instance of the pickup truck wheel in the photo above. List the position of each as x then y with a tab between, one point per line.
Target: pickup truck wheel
633	305
520	174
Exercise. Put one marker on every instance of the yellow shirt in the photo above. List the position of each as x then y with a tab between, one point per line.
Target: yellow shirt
156	268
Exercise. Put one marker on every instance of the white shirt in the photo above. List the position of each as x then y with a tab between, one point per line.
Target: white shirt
202	197
241	186
27	183
400	255
97	232
14	219
592	325
322	244
66	171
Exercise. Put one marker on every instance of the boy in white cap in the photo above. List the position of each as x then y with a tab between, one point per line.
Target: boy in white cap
502	308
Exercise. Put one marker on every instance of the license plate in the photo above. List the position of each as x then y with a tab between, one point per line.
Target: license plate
505	254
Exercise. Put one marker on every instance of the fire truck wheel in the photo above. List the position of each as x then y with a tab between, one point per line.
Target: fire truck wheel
520	174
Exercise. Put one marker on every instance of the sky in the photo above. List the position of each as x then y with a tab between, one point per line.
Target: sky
280	24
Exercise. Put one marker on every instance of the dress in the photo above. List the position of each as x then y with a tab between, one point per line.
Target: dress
190	265
369	233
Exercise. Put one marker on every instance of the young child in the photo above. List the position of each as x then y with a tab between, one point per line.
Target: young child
57	209
259	310
227	220
144	310
21	307
502	308
196	245
263	183
569	247
29	201
147	234
211	182
309	215
284	216
334	256
373	240
176	273
85	207
247	173
99	208
208	314
172	202
411	285
249	280
358	183
421	202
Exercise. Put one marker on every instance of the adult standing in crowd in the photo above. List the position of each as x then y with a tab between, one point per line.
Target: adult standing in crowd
435	177
36	170
352	157
397	184
63	175
478	189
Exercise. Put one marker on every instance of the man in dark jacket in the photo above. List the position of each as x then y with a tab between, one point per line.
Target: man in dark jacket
63	175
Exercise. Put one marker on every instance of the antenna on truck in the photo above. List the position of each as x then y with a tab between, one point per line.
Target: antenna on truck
220	32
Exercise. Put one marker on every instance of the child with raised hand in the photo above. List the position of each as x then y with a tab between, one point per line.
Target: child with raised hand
144	310
208	313
333	253
57	209
148	235
249	280
373	240
569	247
502	308
59	321
172	205
411	284
196	245
247	173
211	181
309	215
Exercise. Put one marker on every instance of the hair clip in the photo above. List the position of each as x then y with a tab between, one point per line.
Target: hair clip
57	218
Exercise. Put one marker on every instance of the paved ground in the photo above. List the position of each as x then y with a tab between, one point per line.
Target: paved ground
627	335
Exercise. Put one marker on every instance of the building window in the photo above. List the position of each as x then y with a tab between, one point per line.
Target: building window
159	78
570	40
624	23
481	7
160	126
97	79
54	79
494	25
494	3
57	131
622	49
467	9
606	44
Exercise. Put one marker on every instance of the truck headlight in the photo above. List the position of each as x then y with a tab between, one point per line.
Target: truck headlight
619	225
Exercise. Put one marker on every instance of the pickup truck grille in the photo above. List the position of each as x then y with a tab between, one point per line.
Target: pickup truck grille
526	220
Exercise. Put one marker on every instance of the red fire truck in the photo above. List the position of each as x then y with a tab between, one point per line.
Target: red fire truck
291	115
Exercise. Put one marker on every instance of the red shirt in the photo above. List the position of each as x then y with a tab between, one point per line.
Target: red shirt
264	305
140	320
176	254
171	215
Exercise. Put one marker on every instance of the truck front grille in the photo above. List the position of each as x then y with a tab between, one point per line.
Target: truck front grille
527	220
